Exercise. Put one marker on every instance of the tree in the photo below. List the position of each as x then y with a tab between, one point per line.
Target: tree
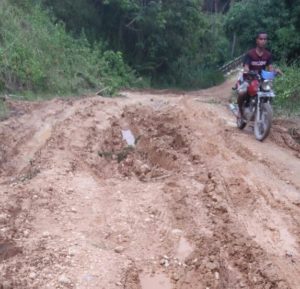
280	19
152	34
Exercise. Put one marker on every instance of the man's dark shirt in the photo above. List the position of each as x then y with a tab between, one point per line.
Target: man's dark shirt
256	62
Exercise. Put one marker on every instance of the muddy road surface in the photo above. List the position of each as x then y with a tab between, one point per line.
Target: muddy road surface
152	190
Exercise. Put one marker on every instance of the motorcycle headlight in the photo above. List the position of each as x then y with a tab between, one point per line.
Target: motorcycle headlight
267	85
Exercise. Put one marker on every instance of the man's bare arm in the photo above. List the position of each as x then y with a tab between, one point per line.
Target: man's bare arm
246	68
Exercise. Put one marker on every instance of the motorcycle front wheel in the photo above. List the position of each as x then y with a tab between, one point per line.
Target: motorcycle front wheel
240	123
263	123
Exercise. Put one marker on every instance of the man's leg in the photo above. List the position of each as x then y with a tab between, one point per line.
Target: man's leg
240	100
242	96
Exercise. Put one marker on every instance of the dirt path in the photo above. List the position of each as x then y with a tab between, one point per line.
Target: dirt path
195	203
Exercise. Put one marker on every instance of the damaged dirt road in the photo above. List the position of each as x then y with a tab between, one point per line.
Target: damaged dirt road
193	204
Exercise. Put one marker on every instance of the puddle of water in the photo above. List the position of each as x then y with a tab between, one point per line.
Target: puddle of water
158	281
128	137
184	249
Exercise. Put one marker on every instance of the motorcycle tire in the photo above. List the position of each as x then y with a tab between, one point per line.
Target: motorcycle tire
262	128
240	123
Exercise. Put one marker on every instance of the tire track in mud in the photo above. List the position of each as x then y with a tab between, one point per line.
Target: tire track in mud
259	195
228	257
44	145
266	276
31	134
184	207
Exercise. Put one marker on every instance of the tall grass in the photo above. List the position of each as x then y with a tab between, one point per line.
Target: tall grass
3	110
37	55
287	88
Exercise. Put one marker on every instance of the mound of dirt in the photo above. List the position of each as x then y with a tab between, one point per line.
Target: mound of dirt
146	191
161	145
287	134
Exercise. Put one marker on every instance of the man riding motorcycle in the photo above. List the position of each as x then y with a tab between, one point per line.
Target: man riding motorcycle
256	59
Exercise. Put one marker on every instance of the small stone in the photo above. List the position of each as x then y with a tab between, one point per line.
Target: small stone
32	275
162	262
119	284
289	254
72	251
222	208
46	234
297	203
63	279
177	232
4	230
145	169
73	210
217	275
26	233
175	277
212	266
119	249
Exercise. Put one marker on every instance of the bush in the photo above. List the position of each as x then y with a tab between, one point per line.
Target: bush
188	74
288	90
38	55
3	110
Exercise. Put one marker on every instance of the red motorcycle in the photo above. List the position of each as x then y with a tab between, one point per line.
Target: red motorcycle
257	107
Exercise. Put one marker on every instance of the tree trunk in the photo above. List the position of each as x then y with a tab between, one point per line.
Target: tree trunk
120	34
233	44
216	6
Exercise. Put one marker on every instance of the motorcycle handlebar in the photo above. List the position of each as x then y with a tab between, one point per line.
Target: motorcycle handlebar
251	74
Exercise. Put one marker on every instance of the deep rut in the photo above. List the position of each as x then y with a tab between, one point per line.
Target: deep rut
195	203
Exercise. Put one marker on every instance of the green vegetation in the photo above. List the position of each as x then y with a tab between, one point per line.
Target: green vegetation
171	43
3	110
281	20
54	47
288	91
37	55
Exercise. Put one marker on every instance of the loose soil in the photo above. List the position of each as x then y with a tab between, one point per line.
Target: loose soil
194	203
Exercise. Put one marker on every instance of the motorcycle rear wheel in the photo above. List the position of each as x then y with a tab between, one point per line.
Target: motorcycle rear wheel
262	127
